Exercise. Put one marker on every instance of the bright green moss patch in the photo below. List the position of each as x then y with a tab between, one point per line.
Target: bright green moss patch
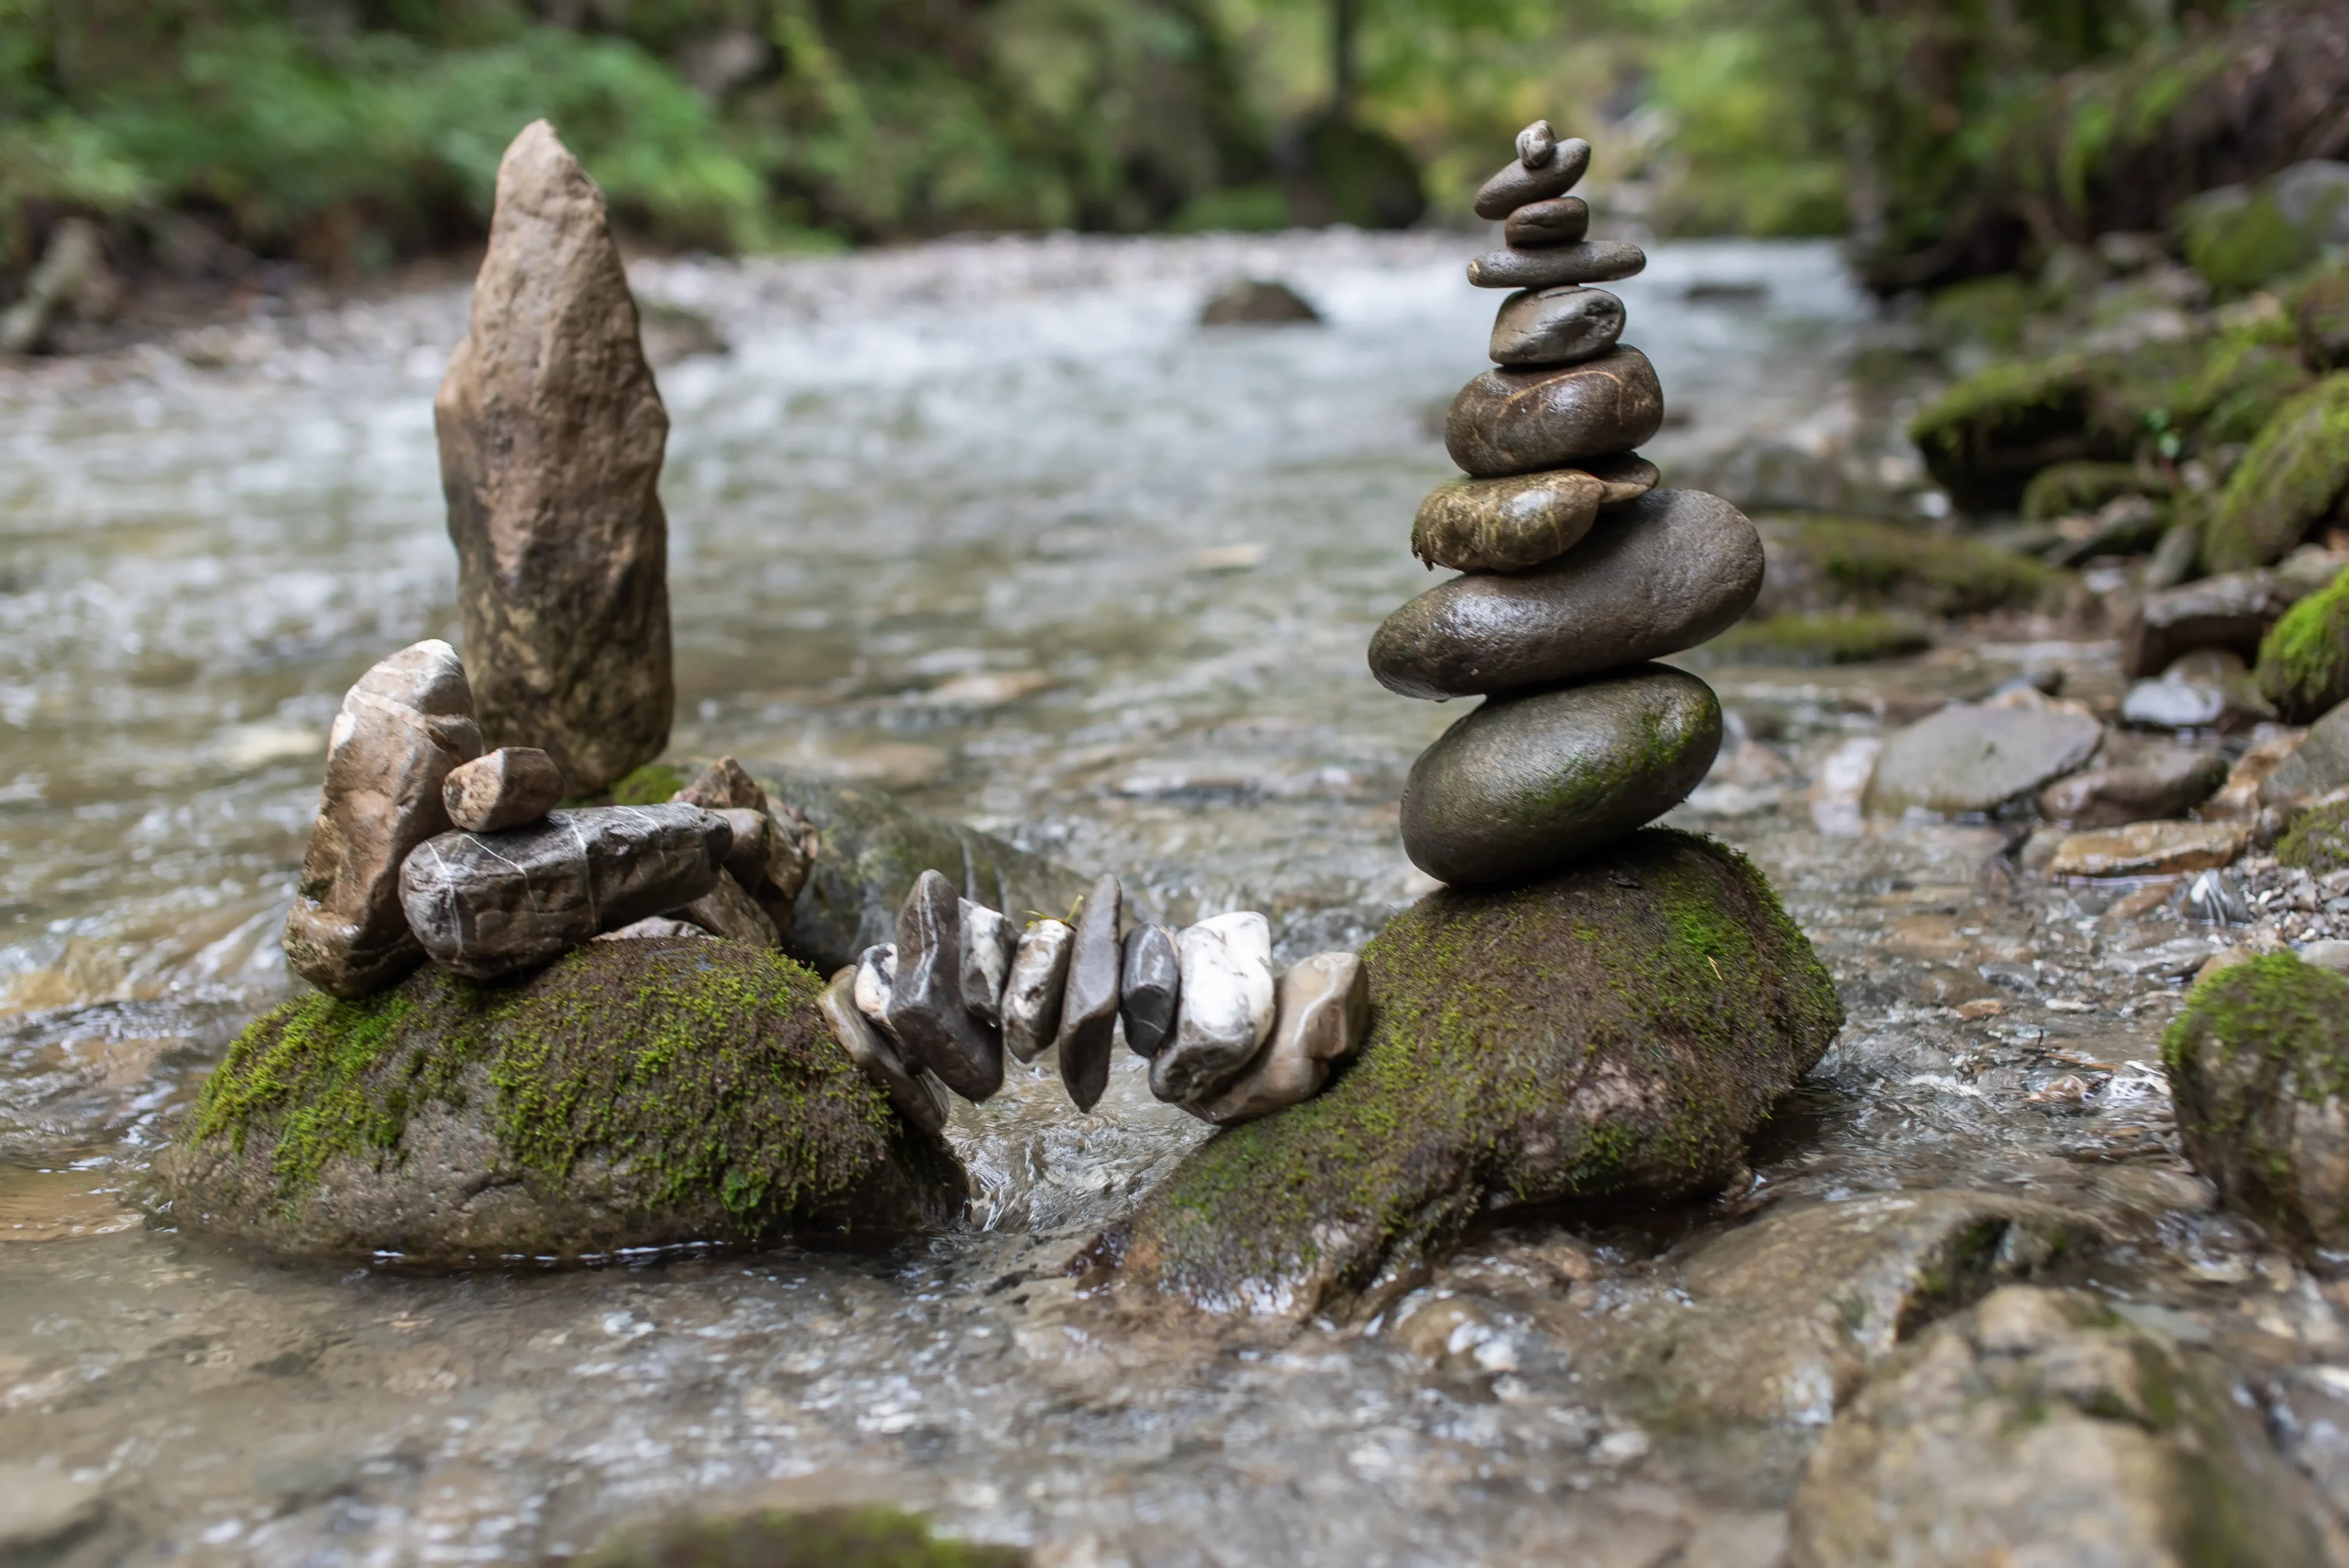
2290	481
655	784
1986	436
2318	840
1830	563
874	1537
2069	488
1801	640
1621	1027
2304	665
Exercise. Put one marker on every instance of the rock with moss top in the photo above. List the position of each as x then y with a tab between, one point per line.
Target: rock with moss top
2318	839
632	1094
2290	481
1824	564
2259	1067
2069	489
2303	667
1857	638
1620	1029
872	1537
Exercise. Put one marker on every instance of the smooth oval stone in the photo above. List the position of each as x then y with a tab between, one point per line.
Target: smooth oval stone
1149	987
1515	422
1515	184
1560	221
1561	326
1626	477
1529	782
1665	572
1506	525
1089	1006
1585	261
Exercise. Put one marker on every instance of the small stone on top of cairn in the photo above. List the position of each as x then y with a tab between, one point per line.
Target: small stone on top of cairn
1577	569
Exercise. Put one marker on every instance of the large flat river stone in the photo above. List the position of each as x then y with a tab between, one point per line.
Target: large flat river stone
1514	421
1965	760
1663	573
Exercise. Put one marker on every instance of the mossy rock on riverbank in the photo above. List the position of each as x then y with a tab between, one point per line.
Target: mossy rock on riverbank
873	1537
1814	639
1986	436
2290	480
632	1094
2259	1068
1819	564
1619	1030
2304	667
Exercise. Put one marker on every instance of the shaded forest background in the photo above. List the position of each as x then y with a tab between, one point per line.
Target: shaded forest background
1945	137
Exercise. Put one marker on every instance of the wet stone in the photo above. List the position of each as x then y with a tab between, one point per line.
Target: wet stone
1149	988
509	787
2165	783
747	861
1033	990
1089	1006
987	944
919	1097
1256	302
926	1011
875	976
1585	261
1517	183
1506	525
2149	849
401	731
724	786
1529	782
489	904
729	911
1653	576
1226	1013
1515	422
1555	326
1560	221
2232	610
2318	765
1322	1016
1976	759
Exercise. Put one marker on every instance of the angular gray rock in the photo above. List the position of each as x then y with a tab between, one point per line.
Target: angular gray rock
1561	326
1585	261
2318	765
1559	220
1518	182
1531	781
727	910
1659	575
487	904
1515	422
1321	1016
1225	1013
919	1097
1976	759
550	436
1150	986
2170	782
988	941
2232	610
511	786
1033	990
402	728
1089	1004
926	1011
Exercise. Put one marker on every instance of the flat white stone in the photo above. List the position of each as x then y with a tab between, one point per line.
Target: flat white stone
1032	990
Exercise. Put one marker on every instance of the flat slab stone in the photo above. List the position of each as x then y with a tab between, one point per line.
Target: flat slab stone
926	1009
1976	759
1586	261
1516	421
1563	326
1656	575
2151	849
1530	781
1559	220
2163	784
1517	183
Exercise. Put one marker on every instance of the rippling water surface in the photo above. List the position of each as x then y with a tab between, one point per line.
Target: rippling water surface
996	526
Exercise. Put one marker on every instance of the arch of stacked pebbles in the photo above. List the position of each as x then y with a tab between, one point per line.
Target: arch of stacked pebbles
1576	569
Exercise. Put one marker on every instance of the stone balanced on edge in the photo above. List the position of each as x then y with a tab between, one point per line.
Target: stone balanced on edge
1576	570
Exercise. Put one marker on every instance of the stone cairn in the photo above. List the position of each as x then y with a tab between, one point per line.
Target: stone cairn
1575	568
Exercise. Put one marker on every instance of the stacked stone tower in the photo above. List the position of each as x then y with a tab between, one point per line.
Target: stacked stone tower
1575	568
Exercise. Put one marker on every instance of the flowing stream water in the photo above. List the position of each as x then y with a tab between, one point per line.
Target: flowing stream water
993	524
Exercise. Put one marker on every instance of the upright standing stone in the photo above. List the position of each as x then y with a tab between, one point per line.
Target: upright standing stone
926	1009
550	436
1148	988
1089	1006
402	728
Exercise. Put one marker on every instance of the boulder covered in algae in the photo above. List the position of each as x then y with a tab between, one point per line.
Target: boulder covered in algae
1620	1029
632	1094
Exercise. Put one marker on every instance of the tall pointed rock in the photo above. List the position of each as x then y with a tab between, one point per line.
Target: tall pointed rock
551	439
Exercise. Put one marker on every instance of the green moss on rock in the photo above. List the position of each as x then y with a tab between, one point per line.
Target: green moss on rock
2070	488
1621	1028
650	785
1985	437
1823	564
874	1537
2320	319
631	1094
2258	1064
1804	639
2318	840
2290	480
2303	664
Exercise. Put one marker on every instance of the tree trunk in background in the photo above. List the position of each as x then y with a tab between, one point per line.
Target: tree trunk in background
1343	16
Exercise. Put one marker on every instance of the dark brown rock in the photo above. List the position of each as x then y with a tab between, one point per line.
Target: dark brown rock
724	786
1556	326
919	1097
551	438
1515	184
1514	421
747	860
1149	989
486	904
1661	573
1089	1006
1560	221
727	910
1585	261
403	729
2167	782
511	786
1256	302
926	1009
1529	782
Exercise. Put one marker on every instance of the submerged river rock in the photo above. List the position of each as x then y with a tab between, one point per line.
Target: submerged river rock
1619	1030
635	1094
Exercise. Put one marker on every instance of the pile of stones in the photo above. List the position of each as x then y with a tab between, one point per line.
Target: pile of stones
1575	568
938	1008
427	848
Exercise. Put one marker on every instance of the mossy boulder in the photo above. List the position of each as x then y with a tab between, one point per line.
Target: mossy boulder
2258	1066
2304	667
2290	481
2318	839
632	1094
1819	564
1985	437
2240	237
2069	489
1618	1030
2321	319
1859	638
870	1537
